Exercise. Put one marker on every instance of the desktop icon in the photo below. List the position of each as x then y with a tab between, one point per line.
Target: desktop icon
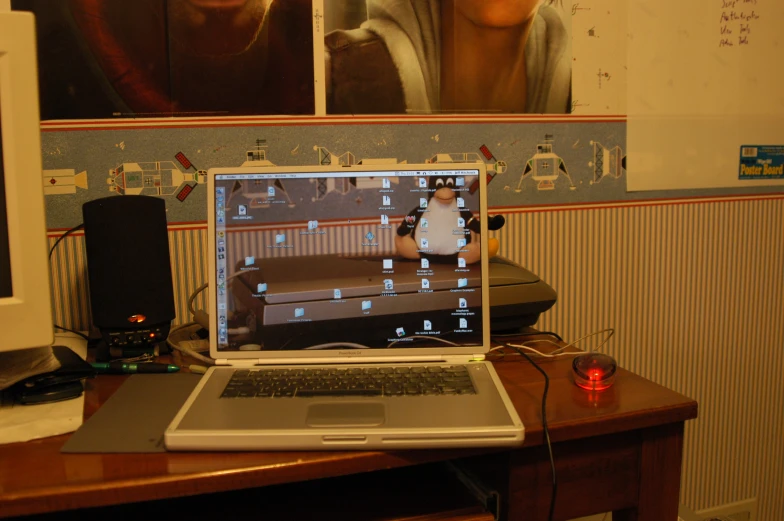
387	264
271	191
461	262
370	236
366	304
299	312
460	202
261	287
384	219
249	261
280	238
312	225
337	294
460	222
410	219
389	285
461	243
221	256
425	284
425	264
423	202
221	219
424	243
242	209
462	283
463	323
423	223
428	325
385	183
423	182
460	181
462	303
386	200
400	332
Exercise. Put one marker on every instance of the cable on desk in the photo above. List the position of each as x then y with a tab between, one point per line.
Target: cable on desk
533	333
561	349
544	422
185	350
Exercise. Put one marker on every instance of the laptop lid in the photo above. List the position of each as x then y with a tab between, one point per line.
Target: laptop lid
361	262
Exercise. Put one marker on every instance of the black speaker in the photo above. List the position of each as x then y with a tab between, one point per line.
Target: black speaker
128	266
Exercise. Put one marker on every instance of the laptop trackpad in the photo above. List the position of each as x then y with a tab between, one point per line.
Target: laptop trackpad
345	414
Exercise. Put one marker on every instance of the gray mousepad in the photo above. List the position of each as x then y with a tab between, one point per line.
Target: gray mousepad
134	417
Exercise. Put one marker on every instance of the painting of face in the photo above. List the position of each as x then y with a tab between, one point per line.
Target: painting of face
215	27
497	13
103	59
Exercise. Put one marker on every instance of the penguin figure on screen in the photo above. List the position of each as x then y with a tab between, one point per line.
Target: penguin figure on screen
441	228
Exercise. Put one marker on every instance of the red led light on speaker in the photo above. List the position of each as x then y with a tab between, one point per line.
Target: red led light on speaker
137	319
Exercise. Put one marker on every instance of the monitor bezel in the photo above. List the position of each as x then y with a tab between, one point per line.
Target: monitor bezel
25	317
355	355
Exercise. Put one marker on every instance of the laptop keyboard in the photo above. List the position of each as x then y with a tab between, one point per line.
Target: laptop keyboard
349	381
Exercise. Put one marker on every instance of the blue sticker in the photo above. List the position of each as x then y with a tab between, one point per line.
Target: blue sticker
761	162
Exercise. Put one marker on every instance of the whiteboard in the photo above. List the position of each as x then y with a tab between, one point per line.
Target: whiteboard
705	78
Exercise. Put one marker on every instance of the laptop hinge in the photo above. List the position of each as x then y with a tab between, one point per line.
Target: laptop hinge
238	363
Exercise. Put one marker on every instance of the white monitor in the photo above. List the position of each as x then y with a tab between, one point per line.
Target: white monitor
25	301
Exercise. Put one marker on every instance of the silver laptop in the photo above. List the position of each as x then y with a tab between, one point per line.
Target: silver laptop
348	310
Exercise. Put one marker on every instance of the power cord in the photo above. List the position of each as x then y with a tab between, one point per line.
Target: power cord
185	350
63	236
561	349
61	328
544	421
51	250
536	333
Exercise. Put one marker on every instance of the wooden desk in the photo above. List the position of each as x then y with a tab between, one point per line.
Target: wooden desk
618	451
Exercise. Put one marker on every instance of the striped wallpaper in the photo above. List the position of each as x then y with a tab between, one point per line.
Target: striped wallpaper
694	289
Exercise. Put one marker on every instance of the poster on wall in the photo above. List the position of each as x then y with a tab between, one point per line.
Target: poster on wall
708	106
447	57
103	59
142	98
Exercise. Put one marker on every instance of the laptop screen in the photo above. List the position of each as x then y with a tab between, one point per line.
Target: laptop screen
355	259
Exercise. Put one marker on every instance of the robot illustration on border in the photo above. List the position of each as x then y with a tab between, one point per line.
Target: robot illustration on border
607	162
63	181
544	167
256	193
346	184
153	178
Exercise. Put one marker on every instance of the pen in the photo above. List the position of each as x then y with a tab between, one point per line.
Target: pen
123	368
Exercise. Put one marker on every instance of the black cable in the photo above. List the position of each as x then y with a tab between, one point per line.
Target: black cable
544	420
63	236
73	331
51	250
533	333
